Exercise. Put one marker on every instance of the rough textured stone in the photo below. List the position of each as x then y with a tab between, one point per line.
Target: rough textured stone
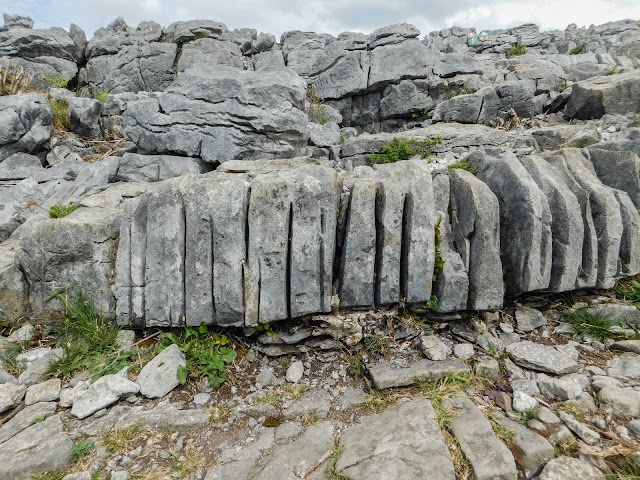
475	223
103	392
385	375
562	468
622	401
26	123
626	367
220	114
43	392
530	450
609	94
11	395
525	221
434	348
40	448
488	456
529	319
542	358
404	441
295	372
160	375
25	418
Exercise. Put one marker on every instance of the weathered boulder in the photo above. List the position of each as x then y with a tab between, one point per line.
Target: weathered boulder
387	235
525	221
209	51
222	113
609	94
160	375
618	169
133	167
26	123
475	219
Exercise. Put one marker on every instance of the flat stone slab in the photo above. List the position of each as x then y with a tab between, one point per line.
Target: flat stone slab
386	375
626	367
403	442
542	358
632	346
564	468
160	375
25	418
490	459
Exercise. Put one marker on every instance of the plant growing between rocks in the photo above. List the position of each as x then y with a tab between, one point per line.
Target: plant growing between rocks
61	211
317	111
455	90
576	50
207	354
629	290
59	80
60	112
101	96
14	79
403	149
463	165
516	50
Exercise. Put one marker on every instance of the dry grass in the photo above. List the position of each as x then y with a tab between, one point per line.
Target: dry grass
189	461
119	440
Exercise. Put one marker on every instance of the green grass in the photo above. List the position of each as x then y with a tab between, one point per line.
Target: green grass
50	476
61	211
60	112
88	339
576	50
524	417
505	434
203	34
101	96
118	440
439	261
421	113
623	469
403	149
432	304
59	80
317	111
516	50
587	324
463	165
81	449
331	464
629	290
613	70
568	448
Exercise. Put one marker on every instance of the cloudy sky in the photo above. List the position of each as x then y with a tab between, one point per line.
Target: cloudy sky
329	16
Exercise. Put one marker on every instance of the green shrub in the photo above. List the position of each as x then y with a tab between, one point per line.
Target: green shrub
613	70
60	112
59	80
60	211
403	149
516	49
207	354
576	50
463	165
432	304
101	96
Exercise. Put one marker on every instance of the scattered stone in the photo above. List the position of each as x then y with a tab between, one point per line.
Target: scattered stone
567	387
404	441
11	395
43	447
528	319
621	401
6	377
160	375
25	418
564	468
530	450
352	398
386	375
24	334
489	368
125	339
316	402
581	430
103	392
464	351
506	327
542	358
87	476
266	377
626	367
530	387
503	400
489	457
632	346
48	391
201	398
433	348
36	370
523	402
295	372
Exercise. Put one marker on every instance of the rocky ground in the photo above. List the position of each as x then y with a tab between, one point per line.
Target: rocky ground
349	395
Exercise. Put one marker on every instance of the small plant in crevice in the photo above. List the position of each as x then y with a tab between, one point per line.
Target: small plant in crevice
202	34
463	165
61	211
403	149
331	464
629	290
568	448
207	354
505	434
101	96
14	79
421	113
613	70
87	337
525	416
456	90
60	112
59	80
81	449
594	326
317	111
432	304
562	85
118	440
188	461
576	50
516	49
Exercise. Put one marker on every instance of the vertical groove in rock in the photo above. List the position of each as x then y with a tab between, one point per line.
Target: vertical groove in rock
321	267
379	242
289	254
407	216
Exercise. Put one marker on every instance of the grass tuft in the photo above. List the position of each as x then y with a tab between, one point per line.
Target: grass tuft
516	50
189	461
81	449
331	464
629	290
61	211
118	440
587	324
576	50
101	96
218	414
60	80
463	165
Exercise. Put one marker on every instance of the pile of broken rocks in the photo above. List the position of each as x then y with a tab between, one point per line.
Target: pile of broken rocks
344	394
